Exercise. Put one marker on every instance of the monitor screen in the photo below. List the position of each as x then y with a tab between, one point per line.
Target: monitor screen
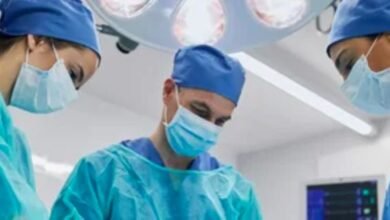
343	201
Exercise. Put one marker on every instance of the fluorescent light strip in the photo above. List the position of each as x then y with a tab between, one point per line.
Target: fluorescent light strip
61	171
57	170
303	94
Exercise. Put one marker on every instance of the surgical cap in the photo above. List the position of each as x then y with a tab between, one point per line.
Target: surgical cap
359	18
205	68
68	20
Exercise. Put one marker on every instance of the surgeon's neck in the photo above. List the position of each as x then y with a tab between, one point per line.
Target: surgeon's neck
169	157
10	63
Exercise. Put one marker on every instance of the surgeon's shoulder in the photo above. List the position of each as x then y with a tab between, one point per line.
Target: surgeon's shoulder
241	186
243	181
233	173
18	132
103	160
244	192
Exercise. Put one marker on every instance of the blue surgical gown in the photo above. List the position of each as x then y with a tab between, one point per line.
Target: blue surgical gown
18	198
119	183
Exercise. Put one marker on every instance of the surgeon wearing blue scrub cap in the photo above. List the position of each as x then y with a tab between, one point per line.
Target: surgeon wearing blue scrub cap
360	49
170	175
48	50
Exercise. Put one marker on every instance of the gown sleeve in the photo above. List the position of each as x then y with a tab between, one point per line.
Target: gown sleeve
17	189
252	208
79	198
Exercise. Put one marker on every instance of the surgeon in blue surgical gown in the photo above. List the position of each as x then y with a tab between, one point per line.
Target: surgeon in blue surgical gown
44	59
360	49
170	175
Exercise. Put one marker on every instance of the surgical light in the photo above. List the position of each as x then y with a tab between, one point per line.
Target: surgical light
199	21
126	8
278	13
230	25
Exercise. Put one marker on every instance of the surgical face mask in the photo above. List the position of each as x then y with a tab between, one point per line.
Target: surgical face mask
40	91
188	134
366	89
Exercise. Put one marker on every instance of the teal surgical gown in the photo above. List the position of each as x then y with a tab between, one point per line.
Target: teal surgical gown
18	198
118	183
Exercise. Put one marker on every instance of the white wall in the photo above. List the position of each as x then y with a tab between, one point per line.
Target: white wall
86	126
90	124
279	173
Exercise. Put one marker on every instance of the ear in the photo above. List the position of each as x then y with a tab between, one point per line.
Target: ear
168	90
39	44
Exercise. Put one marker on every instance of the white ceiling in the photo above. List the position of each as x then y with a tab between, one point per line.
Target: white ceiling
266	116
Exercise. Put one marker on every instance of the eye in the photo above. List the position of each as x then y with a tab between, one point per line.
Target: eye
201	113
73	76
348	67
220	123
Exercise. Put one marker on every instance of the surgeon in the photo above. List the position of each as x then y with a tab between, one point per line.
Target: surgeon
48	50
360	49
170	175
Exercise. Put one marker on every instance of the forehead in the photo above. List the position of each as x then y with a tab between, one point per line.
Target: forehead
214	101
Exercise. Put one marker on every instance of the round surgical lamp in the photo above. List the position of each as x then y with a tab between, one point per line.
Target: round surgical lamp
231	25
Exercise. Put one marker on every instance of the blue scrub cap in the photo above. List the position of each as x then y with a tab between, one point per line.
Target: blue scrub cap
206	68
358	18
68	20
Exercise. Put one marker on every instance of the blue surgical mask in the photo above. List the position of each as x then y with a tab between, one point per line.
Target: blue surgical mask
190	135
40	91
368	90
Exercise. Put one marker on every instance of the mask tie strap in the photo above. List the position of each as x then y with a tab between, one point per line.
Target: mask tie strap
177	95
165	122
166	108
372	46
55	51
27	56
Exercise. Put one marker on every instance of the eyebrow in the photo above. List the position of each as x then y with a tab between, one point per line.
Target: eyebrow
197	104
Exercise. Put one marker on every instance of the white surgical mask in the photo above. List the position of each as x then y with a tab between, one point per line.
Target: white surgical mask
366	89
188	134
41	91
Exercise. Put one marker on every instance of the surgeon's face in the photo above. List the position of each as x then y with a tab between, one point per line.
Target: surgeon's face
209	106
345	53
81	63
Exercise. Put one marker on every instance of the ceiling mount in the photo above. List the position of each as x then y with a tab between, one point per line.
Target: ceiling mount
229	25
124	44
